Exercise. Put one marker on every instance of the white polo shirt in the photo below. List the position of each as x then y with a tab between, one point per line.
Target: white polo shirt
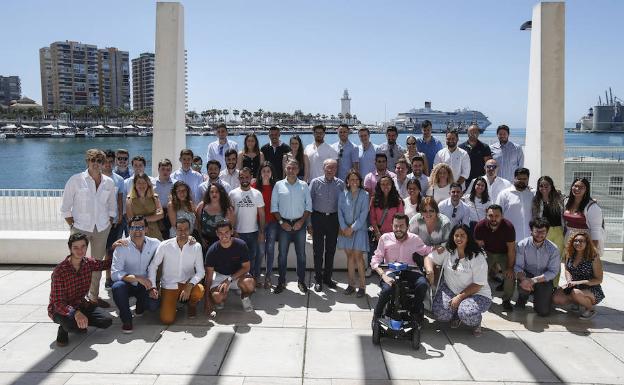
517	209
316	156
458	161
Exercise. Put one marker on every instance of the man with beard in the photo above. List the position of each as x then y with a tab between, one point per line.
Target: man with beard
348	153
478	152
392	150
230	174
318	151
400	246
381	169
538	262
428	145
249	210
508	155
496	235
214	170
455	157
274	152
454	207
517	203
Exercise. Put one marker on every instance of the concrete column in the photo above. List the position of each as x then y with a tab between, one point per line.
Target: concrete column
544	150
169	98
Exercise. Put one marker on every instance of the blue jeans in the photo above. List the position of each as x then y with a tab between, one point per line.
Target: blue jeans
251	239
267	248
299	238
122	291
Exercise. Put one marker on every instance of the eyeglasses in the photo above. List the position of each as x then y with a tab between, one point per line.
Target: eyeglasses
491	167
579	241
122	158
455	264
454	212
96	160
136	228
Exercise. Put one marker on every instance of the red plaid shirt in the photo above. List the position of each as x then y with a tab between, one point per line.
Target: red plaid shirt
69	287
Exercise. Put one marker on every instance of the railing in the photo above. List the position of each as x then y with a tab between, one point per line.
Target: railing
31	210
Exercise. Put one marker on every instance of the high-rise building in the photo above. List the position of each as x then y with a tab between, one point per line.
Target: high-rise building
345	103
76	75
143	69
10	89
143	81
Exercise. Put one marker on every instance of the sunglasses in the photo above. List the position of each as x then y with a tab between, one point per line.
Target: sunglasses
411	143
136	228
341	152
96	160
455	264
580	241
428	211
454	212
122	158
490	167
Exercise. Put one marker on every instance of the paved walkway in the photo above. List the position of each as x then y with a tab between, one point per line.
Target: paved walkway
307	339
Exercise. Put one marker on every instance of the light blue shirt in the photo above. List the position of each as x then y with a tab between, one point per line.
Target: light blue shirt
348	154
291	200
538	260
163	189
509	157
367	159
121	189
128	260
430	149
191	178
216	151
325	194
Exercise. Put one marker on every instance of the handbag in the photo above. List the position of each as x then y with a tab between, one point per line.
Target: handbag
372	239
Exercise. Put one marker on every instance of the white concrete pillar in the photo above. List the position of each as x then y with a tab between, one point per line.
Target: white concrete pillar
544	150
169	98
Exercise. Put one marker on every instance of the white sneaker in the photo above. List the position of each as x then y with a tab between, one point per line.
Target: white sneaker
247	306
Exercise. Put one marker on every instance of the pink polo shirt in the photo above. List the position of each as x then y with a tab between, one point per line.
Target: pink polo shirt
390	250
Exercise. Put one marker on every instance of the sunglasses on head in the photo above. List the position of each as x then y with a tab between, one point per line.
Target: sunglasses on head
455	264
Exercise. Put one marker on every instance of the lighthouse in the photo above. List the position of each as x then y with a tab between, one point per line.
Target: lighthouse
345	103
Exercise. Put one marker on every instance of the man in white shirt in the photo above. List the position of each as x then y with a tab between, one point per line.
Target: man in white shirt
249	210
517	203
318	151
454	208
218	148
183	270
401	168
214	170
457	158
230	174
89	206
187	175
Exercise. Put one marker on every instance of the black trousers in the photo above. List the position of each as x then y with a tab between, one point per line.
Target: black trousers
324	238
542	296
97	317
417	282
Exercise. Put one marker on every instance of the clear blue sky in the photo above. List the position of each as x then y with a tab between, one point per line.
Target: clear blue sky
286	55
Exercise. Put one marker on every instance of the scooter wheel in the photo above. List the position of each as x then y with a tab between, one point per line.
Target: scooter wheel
416	339
376	333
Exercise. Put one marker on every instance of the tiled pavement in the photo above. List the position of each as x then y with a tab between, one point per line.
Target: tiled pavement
314	339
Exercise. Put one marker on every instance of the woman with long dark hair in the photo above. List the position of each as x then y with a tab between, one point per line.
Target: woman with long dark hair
180	206
250	156
478	200
583	273
385	203
413	198
214	207
548	203
582	213
264	183
464	294
296	153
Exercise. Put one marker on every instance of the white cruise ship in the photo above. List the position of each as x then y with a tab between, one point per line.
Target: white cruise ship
441	121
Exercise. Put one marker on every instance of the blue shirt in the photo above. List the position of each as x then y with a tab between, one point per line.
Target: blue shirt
430	149
120	188
193	179
367	159
325	194
509	157
537	261
291	200
128	260
348	154
163	189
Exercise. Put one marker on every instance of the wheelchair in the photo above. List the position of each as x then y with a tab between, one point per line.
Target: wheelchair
398	319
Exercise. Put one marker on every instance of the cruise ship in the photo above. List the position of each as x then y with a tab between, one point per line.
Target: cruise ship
604	117
441	121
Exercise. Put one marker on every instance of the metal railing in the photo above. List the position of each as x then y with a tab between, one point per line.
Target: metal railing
31	210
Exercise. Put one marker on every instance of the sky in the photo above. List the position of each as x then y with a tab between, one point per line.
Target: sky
283	55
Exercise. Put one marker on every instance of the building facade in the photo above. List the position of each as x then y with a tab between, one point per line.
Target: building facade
143	81
75	76
10	89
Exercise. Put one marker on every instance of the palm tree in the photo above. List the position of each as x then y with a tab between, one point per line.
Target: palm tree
348	117
204	114
225	113
235	113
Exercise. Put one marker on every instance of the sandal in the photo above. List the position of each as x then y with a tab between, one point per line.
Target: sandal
349	290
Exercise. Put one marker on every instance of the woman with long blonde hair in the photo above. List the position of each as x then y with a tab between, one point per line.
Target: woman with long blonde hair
440	182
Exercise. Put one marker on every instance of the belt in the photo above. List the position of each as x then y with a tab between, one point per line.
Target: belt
291	221
322	213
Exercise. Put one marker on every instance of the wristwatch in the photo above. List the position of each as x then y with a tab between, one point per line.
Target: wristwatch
229	279
281	221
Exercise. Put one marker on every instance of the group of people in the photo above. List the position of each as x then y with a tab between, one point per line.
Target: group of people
184	236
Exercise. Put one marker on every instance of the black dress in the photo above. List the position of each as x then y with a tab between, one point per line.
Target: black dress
252	163
583	271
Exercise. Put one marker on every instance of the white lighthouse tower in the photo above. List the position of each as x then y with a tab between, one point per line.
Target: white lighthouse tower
345	103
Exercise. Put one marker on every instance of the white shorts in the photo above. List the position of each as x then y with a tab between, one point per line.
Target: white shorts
217	278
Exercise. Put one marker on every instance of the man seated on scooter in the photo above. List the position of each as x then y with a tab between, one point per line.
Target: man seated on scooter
400	246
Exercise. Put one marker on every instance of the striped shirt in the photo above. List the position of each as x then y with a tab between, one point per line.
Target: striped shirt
509	157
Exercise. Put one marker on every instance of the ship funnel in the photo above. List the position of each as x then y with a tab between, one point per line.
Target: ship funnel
428	105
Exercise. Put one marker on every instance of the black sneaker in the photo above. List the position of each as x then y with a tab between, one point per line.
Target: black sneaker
62	338
317	287
303	288
279	288
109	283
520	304
507	305
331	284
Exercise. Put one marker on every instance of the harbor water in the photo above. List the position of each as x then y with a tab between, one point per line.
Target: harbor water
47	163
